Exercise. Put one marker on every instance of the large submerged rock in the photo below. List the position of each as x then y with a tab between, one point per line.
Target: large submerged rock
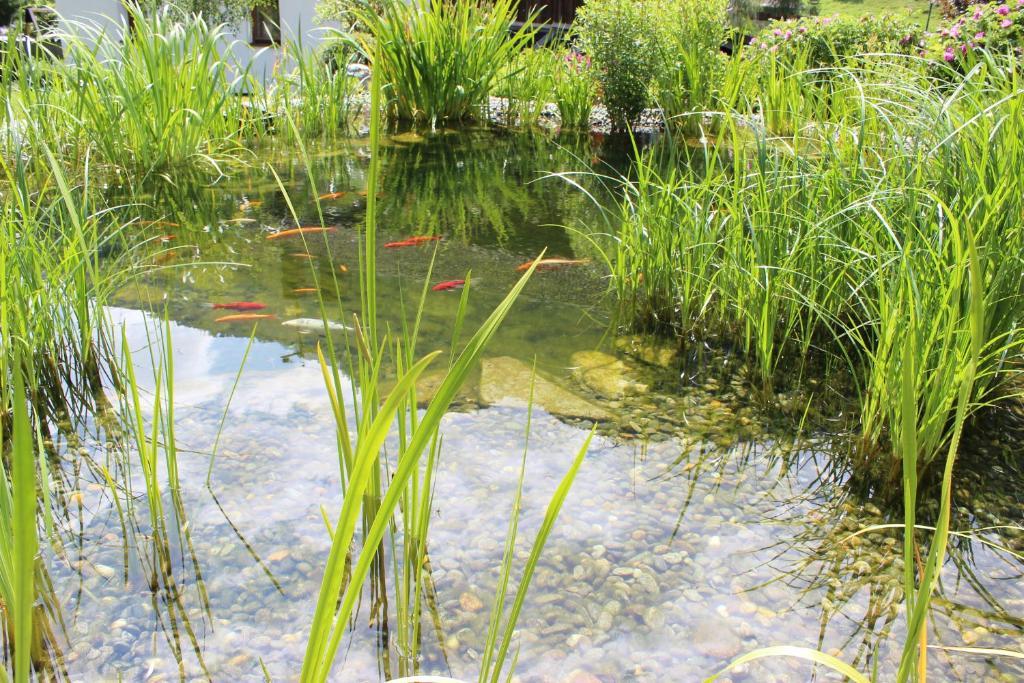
649	350
606	375
506	381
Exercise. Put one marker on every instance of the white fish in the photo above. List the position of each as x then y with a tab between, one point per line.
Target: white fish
316	325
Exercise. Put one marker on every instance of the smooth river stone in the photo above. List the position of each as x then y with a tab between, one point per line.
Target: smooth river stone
605	374
506	381
713	636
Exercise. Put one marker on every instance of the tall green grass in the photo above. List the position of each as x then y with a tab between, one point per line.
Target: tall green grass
160	102
868	221
847	240
399	510
440	59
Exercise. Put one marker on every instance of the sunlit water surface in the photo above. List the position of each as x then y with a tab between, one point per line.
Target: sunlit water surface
698	529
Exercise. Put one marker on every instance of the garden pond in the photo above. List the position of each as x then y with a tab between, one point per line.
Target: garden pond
702	524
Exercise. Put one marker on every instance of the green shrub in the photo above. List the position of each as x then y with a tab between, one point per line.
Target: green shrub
995	26
829	41
621	37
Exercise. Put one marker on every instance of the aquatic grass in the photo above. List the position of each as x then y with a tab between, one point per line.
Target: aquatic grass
53	287
528	84
19	542
161	102
439	59
315	90
575	90
827	241
409	488
692	65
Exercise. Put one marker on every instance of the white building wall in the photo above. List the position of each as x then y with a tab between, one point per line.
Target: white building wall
298	23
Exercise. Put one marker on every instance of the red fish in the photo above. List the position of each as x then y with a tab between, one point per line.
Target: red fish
448	285
547	263
237	317
298	231
332	195
240	306
412	241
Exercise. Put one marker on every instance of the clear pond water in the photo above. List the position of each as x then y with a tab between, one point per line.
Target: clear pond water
701	526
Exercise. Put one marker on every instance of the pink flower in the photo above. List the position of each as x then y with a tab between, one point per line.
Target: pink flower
777	32
788	35
963	49
752	40
979	35
948	55
1003	10
978	14
954	32
1006	23
764	46
803	29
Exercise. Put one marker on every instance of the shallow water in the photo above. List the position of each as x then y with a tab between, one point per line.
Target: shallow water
699	527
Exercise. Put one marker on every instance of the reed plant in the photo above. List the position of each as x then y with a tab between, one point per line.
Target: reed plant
313	88
440	60
689	82
160	102
53	288
528	84
575	90
394	503
850	238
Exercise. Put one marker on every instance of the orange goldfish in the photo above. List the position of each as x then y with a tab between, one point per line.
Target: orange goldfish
240	305
332	195
239	317
412	241
250	204
547	263
298	231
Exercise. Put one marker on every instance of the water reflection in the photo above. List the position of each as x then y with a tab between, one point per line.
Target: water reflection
701	526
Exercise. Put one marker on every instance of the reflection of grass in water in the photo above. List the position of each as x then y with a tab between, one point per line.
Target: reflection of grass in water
477	189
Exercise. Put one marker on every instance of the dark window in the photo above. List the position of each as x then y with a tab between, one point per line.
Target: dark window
266	24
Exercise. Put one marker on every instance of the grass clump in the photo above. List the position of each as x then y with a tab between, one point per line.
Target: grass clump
439	60
860	239
161	102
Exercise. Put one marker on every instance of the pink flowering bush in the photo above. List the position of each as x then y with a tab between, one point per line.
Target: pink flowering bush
828	41
993	26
